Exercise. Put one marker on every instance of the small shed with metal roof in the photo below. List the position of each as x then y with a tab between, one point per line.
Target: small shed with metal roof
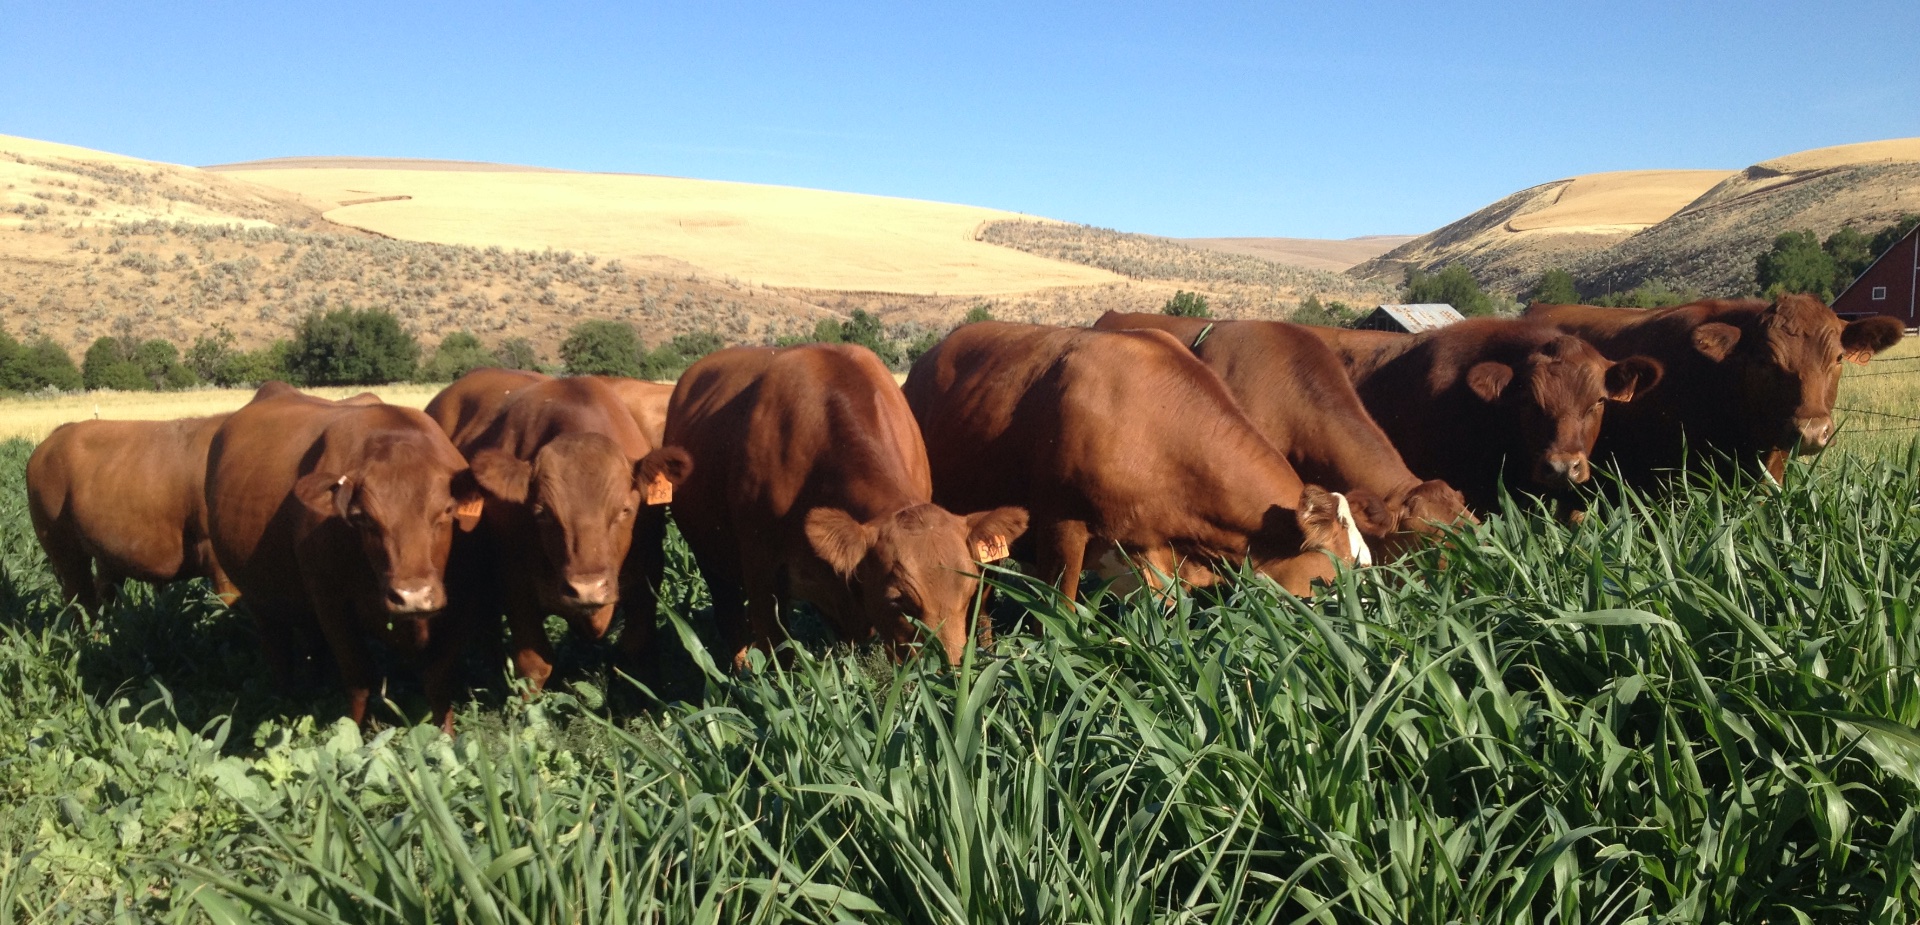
1409	319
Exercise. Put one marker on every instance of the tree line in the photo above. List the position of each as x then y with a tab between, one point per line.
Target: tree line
370	346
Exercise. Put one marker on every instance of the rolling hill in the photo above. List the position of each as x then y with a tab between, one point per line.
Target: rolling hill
1696	229
95	243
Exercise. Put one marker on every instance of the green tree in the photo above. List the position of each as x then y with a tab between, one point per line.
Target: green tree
516	353
980	312
1852	252
211	354
601	348
1328	315
110	364
254	367
1555	288
459	353
349	346
40	365
672	358
1795	263
1891	235
1186	304
1453	285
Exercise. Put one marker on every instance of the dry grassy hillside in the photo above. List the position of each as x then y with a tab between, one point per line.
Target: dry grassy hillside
1509	243
763	235
1688	229
1239	285
1313	253
93	244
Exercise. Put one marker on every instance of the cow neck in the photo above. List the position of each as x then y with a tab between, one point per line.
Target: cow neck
863	464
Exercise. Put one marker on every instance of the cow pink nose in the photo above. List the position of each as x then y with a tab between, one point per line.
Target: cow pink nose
1814	432
416	599
596	592
1563	467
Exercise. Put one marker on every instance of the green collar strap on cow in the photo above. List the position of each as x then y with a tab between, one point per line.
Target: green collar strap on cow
1197	338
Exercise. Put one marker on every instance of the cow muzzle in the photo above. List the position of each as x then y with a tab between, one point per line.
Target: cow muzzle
1813	432
415	599
1562	469
588	594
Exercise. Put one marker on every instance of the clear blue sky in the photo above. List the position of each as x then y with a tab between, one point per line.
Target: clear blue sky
1314	119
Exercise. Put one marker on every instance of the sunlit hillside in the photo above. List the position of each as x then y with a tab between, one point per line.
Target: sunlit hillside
1689	229
763	235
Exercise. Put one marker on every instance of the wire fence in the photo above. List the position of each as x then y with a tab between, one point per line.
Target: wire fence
1884	421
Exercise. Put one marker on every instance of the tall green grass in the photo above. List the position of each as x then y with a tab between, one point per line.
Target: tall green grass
1697	708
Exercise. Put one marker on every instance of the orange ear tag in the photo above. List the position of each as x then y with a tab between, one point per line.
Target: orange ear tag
659	490
470	509
991	549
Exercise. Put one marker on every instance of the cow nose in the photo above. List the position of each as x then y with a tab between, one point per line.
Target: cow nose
1814	432
1570	468
594	592
415	599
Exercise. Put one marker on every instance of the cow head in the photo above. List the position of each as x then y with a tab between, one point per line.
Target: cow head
580	494
1786	363
402	503
919	563
1296	546
1409	516
1556	399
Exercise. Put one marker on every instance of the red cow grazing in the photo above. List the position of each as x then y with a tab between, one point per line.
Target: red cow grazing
113	500
335	520
1489	395
567	531
1297	394
811	482
1749	378
1118	439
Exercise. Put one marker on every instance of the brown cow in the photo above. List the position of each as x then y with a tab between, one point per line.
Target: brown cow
647	402
335	520
564	467
1118	439
811	482
1487	396
113	500
1749	378
1296	392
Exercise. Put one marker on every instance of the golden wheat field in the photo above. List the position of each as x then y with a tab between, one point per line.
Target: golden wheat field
762	235
34	416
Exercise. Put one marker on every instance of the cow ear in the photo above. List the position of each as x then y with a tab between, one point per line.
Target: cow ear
502	475
989	533
468	499
838	539
1715	340
1489	379
669	462
324	493
1632	376
1868	336
1319	514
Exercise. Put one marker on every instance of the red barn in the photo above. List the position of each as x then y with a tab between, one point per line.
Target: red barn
1888	287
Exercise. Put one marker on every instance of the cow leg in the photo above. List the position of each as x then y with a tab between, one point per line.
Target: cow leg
1774	464
337	622
760	623
440	668
640	578
527	629
286	634
1062	553
74	569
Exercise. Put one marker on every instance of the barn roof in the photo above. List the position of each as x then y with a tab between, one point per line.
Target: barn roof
1420	316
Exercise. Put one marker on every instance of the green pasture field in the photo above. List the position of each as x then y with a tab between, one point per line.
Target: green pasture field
1697	708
